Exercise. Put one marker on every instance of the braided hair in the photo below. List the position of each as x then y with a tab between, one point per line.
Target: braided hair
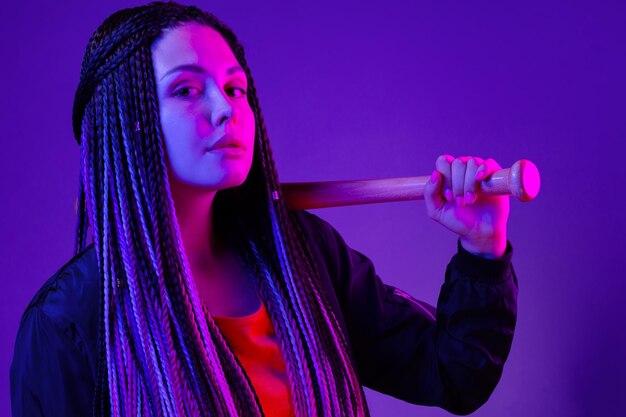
161	352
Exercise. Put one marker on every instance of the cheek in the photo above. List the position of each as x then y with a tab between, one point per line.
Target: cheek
175	127
249	124
167	121
173	141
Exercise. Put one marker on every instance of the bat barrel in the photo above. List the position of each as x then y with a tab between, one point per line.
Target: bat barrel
521	180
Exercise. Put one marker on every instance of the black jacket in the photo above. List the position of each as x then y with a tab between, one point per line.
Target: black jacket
451	356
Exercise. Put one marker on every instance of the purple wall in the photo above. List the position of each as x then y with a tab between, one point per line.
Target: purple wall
351	90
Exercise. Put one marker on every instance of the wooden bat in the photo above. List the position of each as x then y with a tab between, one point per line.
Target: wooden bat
521	180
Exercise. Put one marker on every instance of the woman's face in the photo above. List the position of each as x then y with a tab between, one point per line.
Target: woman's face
202	97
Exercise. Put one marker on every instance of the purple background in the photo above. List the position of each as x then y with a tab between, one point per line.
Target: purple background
356	90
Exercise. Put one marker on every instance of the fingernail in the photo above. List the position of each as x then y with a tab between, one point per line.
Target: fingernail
448	195
459	200
469	197
433	177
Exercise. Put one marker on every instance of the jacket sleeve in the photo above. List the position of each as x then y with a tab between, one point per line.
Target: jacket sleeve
451	356
49	374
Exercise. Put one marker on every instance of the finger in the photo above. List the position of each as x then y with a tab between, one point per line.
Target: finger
443	166
458	181
432	194
488	167
470	181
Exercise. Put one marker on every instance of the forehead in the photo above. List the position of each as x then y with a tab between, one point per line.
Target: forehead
191	43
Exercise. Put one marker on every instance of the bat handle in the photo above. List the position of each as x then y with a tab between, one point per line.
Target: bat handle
520	180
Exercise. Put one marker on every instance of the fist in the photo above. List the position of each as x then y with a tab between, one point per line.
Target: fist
452	200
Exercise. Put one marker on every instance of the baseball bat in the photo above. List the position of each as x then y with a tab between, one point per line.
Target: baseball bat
520	180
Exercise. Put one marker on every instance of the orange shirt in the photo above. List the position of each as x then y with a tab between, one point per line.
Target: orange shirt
253	340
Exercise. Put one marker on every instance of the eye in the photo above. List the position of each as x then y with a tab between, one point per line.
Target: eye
243	92
179	92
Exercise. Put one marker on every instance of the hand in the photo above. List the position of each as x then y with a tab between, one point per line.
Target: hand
478	219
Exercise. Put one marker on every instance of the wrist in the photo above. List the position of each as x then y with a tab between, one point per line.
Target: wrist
488	247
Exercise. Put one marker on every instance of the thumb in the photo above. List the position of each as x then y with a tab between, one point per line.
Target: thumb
432	195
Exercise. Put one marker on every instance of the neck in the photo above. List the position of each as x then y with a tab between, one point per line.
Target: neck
194	212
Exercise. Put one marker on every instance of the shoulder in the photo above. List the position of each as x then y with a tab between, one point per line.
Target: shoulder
320	231
311	226
71	289
325	241
54	360
310	221
68	301
335	256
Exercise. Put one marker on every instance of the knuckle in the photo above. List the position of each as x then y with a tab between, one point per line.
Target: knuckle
492	165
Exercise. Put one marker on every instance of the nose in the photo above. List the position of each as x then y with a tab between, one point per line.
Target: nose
220	108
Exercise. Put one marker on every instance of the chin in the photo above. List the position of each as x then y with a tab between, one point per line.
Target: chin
230	180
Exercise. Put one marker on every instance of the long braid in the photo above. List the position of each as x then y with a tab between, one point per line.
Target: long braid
155	260
106	257
155	257
81	220
91	121
273	185
156	148
302	387
169	376
161	352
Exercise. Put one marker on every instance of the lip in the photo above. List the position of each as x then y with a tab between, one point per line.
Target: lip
231	151
225	142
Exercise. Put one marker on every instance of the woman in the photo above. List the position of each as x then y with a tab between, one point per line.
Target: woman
202	294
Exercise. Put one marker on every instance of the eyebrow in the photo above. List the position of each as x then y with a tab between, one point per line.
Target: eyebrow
199	69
